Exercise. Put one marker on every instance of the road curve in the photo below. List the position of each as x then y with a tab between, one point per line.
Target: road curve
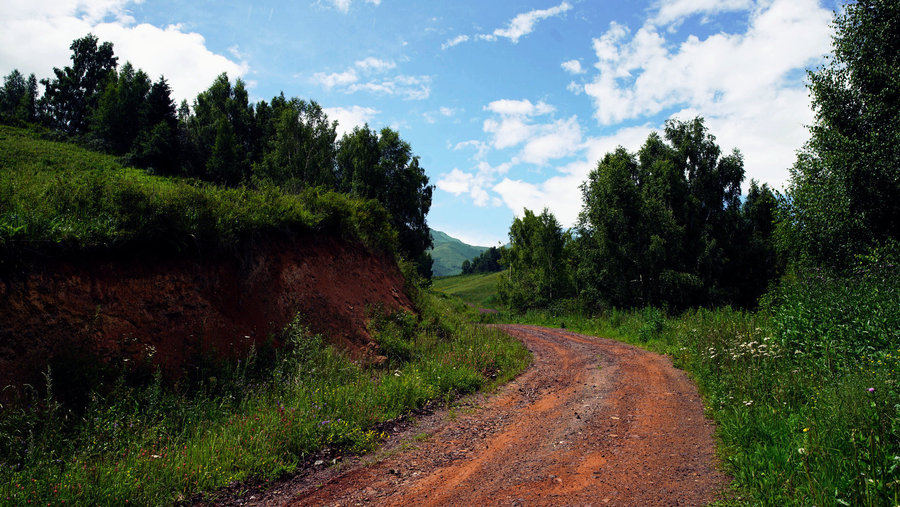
591	422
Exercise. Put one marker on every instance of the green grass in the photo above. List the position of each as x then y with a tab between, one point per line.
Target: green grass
478	289
151	444
58	197
805	394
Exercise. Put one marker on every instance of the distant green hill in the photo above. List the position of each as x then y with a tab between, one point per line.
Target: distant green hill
449	253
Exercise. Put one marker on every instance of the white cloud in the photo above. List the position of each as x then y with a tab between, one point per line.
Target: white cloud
447	112
507	107
573	67
374	64
407	87
457	182
350	117
47	28
344	5
561	193
523	24
556	140
459	39
349	81
744	84
329	81
518	27
673	11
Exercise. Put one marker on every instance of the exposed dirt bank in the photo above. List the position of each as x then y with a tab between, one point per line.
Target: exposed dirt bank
592	422
176	309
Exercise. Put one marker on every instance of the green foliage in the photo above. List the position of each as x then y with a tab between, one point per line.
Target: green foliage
665	226
381	166
837	320
72	95
55	196
220	131
536	263
120	112
18	97
843	200
150	444
301	146
487	262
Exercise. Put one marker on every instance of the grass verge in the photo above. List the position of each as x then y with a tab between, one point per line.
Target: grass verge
154	444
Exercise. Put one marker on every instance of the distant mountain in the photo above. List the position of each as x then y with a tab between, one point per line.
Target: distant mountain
449	253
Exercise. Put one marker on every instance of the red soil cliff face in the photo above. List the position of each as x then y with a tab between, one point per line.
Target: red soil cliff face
175	309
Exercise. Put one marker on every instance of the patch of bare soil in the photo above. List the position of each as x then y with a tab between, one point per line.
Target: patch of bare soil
592	422
174	310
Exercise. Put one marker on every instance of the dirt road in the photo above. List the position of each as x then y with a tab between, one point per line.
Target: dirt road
592	422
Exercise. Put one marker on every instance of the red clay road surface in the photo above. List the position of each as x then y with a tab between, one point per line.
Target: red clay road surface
592	422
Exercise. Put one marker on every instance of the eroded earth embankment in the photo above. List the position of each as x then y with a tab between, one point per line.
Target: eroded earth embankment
176	310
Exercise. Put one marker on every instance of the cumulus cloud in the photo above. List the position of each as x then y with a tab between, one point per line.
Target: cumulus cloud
476	183
329	81
560	192
350	117
744	84
47	28
508	107
553	141
573	67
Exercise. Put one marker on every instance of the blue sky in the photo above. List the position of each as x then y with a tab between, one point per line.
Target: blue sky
509	104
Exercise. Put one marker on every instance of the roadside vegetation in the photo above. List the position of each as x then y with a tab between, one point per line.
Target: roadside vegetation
151	443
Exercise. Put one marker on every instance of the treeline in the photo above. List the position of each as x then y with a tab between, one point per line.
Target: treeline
668	225
222	138
486	262
665	226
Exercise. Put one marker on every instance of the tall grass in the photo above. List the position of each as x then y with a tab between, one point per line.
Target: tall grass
804	393
261	418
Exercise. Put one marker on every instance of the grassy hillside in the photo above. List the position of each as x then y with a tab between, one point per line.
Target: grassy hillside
478	289
60	197
449	253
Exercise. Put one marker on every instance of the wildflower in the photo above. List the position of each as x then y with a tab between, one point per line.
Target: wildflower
801	450
871	389
805	430
747	403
